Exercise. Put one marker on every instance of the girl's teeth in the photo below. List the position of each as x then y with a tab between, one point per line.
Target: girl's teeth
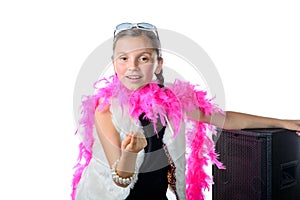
133	77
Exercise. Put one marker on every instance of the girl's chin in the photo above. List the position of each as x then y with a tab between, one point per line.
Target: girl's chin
134	86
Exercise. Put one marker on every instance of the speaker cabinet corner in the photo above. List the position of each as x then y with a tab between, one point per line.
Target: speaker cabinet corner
261	164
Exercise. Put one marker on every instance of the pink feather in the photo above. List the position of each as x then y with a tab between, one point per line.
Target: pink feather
156	103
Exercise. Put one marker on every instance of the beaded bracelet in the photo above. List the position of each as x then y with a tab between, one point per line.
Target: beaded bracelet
119	179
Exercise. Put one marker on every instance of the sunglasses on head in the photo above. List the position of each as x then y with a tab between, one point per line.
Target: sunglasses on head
142	26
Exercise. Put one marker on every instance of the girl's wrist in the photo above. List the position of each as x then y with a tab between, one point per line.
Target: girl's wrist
128	156
126	164
280	123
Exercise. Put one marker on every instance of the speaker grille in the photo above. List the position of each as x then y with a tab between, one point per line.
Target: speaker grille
256	167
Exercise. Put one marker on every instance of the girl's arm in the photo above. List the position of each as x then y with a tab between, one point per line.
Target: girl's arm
236	120
125	151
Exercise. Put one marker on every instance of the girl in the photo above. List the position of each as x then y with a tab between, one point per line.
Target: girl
149	137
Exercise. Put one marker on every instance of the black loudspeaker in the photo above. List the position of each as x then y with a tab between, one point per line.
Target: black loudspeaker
261	164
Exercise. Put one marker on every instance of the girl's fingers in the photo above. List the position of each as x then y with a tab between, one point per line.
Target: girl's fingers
133	140
125	142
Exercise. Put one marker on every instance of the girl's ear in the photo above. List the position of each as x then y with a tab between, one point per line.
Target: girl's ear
113	63
159	66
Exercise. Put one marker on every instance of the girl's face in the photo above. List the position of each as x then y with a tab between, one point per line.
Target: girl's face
135	61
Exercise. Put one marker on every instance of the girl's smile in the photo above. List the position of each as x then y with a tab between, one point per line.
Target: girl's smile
135	61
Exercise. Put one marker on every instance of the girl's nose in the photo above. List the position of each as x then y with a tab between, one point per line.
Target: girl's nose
133	65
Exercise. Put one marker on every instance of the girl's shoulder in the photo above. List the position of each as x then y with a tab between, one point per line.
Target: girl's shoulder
102	106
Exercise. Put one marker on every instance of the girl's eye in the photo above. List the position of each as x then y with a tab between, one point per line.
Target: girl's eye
123	58
144	59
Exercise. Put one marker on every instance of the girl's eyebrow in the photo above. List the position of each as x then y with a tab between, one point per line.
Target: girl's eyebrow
146	52
150	52
120	53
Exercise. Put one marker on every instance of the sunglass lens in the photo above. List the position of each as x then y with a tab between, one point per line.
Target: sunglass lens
124	26
145	25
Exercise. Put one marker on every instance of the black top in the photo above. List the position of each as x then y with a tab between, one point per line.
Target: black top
152	180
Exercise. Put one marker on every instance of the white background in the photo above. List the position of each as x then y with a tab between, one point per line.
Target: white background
255	46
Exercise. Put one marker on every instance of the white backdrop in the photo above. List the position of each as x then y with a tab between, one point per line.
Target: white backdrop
255	46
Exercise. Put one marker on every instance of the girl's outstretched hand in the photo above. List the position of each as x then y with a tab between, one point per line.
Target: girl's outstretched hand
134	142
292	125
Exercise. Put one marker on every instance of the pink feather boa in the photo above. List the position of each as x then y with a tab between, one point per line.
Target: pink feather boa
156	102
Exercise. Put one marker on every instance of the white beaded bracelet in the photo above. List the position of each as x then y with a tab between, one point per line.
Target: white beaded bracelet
120	180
